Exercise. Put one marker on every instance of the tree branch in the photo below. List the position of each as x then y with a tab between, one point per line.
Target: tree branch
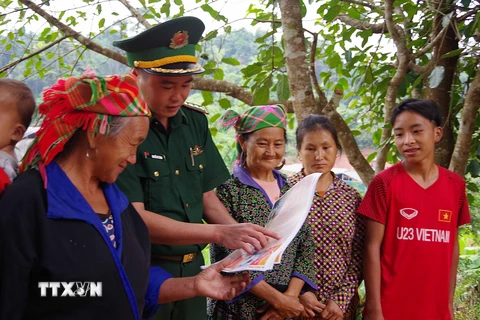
136	14
363	4
362	25
403	60
431	44
313	73
461	152
232	90
69	32
14	63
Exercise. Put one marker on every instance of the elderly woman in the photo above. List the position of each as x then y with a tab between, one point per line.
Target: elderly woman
249	196
71	245
339	231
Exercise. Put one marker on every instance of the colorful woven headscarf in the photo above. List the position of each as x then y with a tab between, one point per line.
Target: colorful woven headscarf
88	103
255	118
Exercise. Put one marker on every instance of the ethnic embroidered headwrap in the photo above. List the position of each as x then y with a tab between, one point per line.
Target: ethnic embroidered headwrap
253	119
88	103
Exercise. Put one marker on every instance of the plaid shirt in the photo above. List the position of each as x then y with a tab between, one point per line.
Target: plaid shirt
339	238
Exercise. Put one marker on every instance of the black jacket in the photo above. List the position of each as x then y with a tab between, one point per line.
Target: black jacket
53	235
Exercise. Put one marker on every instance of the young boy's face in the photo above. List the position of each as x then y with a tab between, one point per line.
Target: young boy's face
11	128
415	136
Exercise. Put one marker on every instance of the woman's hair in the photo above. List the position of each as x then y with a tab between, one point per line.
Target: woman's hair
313	123
426	108
117	124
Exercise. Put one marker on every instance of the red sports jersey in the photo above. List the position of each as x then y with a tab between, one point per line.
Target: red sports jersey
4	180
417	249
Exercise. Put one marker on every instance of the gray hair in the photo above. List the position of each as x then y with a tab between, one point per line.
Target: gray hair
117	124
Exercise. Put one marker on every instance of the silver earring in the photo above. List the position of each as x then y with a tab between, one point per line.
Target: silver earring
89	156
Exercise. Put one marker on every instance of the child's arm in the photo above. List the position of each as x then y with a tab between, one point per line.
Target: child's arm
453	276
371	266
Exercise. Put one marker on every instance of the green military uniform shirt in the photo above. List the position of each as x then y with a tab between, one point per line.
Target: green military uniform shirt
173	170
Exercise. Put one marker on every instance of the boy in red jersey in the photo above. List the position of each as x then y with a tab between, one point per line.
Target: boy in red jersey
414	210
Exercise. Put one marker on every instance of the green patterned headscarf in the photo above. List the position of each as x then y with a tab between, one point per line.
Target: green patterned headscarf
255	118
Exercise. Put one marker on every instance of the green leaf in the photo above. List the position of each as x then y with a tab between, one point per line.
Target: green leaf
231	61
211	35
356	132
213	13
348	56
213	132
376	137
332	13
178	2
218	74
466	3
261	95
252	70
452	53
61	15
165	8
8	47
371	156
224	103
99	8
207	98
101	23
283	90
436	76
303	8
352	12
214	117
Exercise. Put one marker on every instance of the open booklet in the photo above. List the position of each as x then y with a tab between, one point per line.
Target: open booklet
286	218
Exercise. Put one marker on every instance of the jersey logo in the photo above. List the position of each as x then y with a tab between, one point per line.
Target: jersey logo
444	215
409	213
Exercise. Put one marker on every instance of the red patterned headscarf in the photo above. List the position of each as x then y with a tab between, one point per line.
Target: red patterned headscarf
87	103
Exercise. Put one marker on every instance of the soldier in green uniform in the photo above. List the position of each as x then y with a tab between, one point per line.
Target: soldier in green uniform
178	166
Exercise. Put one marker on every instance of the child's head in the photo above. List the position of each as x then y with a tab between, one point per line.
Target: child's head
416	127
17	105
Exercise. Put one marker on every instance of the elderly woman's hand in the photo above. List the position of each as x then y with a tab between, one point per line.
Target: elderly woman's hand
311	304
210	283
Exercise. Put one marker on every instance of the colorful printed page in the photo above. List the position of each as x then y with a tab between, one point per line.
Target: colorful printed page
286	218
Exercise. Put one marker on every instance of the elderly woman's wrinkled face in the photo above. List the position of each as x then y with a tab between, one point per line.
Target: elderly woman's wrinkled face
116	152
318	152
264	148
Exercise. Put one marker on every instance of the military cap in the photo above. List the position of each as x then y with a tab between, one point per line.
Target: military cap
167	48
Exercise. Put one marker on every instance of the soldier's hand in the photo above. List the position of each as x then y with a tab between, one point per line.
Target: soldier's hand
246	236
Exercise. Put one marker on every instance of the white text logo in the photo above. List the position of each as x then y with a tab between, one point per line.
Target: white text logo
71	289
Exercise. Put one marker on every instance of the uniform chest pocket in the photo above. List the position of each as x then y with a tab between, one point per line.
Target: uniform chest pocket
156	183
195	166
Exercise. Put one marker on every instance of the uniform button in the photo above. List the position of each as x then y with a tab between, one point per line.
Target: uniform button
177	172
200	166
156	173
186	205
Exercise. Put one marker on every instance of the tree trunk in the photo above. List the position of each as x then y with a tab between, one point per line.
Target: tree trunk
467	127
442	93
296	60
